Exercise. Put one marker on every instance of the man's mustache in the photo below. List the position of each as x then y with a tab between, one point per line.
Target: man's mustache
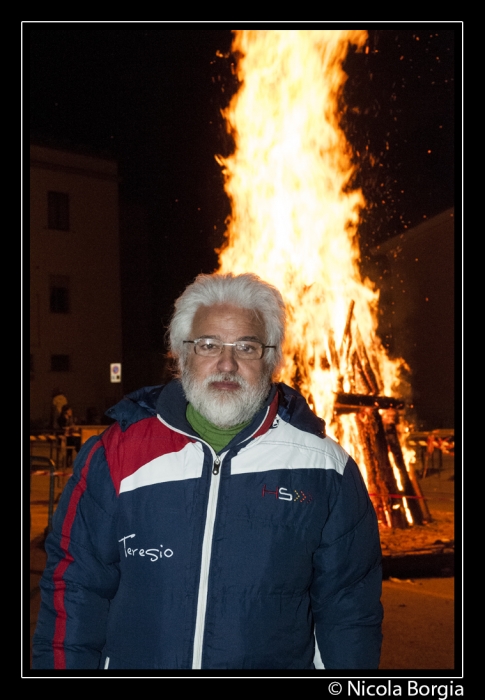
225	377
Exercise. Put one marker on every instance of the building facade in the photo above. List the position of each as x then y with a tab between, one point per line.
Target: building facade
417	308
75	298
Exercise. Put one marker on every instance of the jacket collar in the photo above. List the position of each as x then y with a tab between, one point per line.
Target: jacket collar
169	401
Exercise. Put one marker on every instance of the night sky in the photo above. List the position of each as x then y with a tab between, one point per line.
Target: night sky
150	95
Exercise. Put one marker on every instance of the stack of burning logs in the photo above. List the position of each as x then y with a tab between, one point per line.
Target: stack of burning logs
393	487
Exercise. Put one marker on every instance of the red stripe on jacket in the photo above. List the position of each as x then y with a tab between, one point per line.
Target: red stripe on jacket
268	421
58	575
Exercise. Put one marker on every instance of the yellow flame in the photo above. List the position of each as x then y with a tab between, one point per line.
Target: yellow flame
397	474
295	218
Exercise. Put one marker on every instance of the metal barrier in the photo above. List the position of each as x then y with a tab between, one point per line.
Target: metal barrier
39	465
427	443
52	445
50	455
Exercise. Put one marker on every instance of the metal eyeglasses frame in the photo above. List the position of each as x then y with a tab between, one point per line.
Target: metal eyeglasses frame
221	345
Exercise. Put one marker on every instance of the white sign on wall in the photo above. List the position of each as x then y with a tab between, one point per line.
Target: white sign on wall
115	372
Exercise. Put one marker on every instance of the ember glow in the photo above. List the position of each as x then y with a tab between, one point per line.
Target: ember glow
294	222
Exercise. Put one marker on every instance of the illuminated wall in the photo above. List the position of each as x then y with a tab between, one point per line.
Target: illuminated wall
75	307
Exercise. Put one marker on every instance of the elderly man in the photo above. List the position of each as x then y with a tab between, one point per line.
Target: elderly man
214	525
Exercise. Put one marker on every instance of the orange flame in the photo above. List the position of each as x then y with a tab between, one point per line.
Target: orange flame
295	219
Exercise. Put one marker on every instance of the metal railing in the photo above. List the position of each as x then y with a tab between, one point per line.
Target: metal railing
427	444
40	465
51	456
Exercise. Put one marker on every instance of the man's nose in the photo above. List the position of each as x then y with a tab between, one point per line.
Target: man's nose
227	359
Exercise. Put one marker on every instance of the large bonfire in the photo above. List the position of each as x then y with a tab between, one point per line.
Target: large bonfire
294	222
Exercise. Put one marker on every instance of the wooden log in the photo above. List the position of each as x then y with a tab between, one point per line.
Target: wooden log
416	503
346	344
357	401
360	383
373	380
372	432
376	483
348	322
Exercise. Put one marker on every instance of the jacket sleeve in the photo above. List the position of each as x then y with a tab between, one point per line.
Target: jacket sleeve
82	571
346	588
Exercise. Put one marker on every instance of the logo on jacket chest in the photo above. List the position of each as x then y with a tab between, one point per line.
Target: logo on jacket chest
283	494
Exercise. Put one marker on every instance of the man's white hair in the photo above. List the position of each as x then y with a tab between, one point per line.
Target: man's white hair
246	291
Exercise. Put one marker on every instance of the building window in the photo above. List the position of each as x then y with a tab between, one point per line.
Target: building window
59	294
60	363
58	211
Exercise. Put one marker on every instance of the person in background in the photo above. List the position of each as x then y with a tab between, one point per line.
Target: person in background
214	524
67	423
58	401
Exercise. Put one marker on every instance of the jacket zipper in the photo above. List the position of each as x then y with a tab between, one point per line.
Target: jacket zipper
216	466
207	543
205	562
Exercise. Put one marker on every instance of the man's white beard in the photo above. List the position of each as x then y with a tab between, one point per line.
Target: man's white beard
225	409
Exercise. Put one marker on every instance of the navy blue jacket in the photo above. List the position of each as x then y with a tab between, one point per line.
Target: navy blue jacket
166	555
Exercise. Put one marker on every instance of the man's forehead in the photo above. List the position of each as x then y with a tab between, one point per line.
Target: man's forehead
220	318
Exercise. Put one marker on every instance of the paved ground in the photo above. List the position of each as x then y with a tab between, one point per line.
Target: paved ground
418	591
419	624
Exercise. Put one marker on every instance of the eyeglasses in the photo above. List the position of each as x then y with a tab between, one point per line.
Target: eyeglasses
243	349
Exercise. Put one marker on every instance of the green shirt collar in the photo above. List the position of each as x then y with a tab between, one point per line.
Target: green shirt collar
217	438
